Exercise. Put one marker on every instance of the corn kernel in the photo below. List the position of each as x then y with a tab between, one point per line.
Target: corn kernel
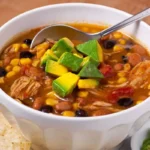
127	67
118	48
43	46
68	113
122	41
114	60
75	106
16	47
121	74
8	68
35	63
83	93
149	86
138	102
24	46
40	53
14	62
128	54
1	63
10	74
51	102
25	61
16	69
1	80
117	35
122	80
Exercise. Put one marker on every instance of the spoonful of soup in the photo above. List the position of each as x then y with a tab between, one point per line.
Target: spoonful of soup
58	31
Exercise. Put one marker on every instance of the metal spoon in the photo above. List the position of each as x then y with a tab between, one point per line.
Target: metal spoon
58	31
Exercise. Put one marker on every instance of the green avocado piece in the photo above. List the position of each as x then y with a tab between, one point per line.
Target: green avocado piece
49	54
92	49
89	59
55	68
65	84
70	61
87	83
63	45
90	70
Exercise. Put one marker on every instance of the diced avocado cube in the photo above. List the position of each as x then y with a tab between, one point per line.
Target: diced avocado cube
90	70
89	59
70	61
92	49
49	54
63	45
87	83
55	68
65	84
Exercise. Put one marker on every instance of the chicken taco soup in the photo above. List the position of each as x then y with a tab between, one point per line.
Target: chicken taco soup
75	78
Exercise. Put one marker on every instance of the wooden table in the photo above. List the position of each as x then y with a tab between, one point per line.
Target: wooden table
11	8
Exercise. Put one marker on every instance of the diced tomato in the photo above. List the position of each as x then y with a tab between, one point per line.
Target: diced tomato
114	95
25	95
106	70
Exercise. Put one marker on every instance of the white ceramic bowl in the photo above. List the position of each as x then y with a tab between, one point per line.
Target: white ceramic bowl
140	136
62	133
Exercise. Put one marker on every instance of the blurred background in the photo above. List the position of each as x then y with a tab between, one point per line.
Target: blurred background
11	8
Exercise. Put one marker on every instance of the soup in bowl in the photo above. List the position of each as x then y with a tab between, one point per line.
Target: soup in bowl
75	78
92	84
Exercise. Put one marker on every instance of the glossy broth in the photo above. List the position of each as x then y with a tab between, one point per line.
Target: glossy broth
115	93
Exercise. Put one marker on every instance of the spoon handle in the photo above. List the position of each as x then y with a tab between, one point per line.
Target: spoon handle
124	23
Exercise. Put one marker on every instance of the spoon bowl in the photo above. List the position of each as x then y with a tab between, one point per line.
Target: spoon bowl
58	31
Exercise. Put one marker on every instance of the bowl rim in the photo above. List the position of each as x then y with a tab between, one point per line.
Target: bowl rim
56	117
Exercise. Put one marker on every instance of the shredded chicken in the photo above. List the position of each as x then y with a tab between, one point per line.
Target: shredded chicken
113	109
117	85
139	75
24	87
101	104
9	49
99	93
91	107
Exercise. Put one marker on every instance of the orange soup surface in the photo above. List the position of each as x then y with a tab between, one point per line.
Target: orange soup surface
74	78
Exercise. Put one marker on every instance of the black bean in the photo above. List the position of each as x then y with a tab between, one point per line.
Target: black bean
126	101
27	41
128	45
81	113
3	72
26	54
125	59
108	44
46	109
